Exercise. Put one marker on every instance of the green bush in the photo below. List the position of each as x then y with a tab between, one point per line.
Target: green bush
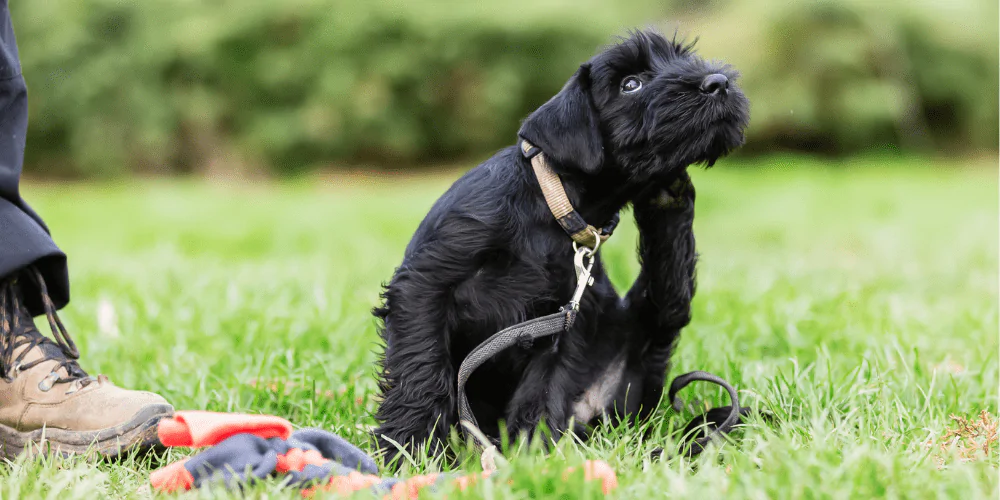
166	85
195	85
842	76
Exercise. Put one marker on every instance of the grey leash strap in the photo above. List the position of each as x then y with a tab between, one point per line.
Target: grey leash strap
583	262
519	333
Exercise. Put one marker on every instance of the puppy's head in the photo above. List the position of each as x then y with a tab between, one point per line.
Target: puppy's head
646	106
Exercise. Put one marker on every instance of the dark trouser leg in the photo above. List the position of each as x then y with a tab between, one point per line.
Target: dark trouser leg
44	393
24	237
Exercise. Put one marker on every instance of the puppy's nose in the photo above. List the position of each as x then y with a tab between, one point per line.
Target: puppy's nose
714	84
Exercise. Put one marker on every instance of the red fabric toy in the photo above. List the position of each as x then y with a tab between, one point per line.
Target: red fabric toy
243	448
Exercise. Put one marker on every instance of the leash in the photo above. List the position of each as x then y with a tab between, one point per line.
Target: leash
698	443
586	241
525	332
522	334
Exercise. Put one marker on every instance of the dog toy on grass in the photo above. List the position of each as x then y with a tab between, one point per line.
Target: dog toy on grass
242	448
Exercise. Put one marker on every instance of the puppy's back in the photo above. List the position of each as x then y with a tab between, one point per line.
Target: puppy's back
481	194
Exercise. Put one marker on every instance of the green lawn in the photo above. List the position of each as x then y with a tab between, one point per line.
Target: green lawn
855	303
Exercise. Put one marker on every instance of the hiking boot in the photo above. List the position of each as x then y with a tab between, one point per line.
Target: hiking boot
46	397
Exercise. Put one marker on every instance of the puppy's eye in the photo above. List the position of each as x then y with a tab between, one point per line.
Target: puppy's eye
631	84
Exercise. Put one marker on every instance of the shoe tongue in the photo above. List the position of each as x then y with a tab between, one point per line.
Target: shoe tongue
50	351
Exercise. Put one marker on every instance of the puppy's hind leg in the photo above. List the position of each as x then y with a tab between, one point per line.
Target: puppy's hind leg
417	380
539	396
418	399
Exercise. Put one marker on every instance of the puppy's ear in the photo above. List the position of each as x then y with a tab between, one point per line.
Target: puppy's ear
566	128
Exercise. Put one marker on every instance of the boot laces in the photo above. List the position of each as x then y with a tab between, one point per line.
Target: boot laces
17	329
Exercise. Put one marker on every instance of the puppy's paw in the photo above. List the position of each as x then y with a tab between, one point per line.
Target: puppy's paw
544	436
677	195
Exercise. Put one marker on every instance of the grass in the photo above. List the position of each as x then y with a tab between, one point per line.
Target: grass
856	303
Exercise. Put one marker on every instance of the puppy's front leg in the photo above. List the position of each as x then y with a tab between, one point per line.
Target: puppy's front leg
660	299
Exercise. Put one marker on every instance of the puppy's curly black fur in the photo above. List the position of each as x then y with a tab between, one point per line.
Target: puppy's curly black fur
490	254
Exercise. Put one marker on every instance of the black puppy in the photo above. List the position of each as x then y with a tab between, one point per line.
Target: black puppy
490	253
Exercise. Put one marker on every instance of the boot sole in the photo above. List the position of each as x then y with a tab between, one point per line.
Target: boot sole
138	434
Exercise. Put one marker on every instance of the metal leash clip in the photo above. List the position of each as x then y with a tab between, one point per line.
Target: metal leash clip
583	277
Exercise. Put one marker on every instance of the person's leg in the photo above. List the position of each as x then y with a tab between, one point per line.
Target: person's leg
43	390
24	238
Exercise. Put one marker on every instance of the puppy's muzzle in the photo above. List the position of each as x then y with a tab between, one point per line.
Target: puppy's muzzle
717	84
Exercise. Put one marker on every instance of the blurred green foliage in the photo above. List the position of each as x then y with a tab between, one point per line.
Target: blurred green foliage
841	76
193	85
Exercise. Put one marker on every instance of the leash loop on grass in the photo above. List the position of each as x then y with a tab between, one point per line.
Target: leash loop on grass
697	445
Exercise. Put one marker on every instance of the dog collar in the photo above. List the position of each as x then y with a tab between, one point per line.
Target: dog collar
555	197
